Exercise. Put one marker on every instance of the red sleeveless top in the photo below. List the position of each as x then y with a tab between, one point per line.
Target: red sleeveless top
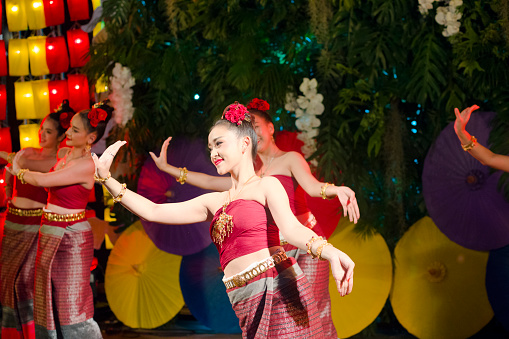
71	196
251	230
31	192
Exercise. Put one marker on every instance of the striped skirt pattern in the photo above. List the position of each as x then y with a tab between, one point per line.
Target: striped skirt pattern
277	304
62	279
19	247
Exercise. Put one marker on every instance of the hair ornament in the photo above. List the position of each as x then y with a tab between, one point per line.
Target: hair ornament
236	113
96	115
258	104
66	114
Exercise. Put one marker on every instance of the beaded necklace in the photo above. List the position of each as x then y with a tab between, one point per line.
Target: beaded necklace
224	223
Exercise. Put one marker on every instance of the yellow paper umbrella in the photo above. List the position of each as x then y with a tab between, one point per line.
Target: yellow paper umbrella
18	57
439	289
16	15
29	135
141	281
24	100
37	51
41	98
372	280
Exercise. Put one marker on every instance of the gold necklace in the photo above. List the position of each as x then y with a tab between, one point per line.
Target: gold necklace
224	223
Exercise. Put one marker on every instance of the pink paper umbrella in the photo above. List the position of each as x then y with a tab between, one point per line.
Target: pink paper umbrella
160	188
461	194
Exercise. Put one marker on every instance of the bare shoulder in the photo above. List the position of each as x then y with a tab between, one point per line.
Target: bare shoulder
29	151
62	152
269	183
294	156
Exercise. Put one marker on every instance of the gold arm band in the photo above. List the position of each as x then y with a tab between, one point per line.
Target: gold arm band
102	180
183	175
310	243
324	188
120	194
21	175
64	217
320	249
470	145
24	213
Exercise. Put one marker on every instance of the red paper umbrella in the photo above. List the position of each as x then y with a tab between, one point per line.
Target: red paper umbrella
58	92
56	55
3	102
79	46
78	9
3	59
54	12
77	84
160	187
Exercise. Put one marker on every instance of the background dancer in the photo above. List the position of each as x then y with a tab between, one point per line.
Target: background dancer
65	248
268	291
24	211
470	144
292	170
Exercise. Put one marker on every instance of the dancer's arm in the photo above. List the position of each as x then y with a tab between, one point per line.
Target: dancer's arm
299	235
302	173
9	182
188	212
478	151
202	180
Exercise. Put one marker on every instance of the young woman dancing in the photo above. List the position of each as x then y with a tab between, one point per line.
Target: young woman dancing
470	144
269	293
292	170
65	248
24	211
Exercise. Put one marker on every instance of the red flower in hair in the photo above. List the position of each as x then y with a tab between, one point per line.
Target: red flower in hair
258	104
65	119
96	115
236	113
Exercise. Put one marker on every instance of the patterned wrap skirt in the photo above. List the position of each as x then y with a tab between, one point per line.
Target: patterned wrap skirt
278	303
62	281
317	273
17	267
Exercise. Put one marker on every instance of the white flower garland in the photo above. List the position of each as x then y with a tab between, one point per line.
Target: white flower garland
448	15
121	93
306	108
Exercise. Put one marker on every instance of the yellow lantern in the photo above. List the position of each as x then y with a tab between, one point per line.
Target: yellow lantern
16	15
101	85
37	51
24	98
41	98
18	57
95	4
29	135
35	14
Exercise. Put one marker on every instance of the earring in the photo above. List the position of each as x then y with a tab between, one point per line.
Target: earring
88	147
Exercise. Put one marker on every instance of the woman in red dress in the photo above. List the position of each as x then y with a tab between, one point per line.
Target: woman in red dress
268	291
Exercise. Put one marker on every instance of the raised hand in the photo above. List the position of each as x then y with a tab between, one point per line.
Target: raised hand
463	118
347	199
161	161
342	271
103	164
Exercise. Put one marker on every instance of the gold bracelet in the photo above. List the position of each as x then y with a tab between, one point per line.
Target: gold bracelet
183	176
310	243
10	157
470	145
120	194
102	180
320	249
21	175
324	188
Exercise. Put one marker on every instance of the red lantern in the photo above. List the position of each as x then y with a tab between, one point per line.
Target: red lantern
79	46
5	142
78	9
3	102
78	91
56	55
3	58
57	93
54	12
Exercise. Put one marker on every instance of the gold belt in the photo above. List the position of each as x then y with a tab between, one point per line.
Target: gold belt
242	278
64	217
25	213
